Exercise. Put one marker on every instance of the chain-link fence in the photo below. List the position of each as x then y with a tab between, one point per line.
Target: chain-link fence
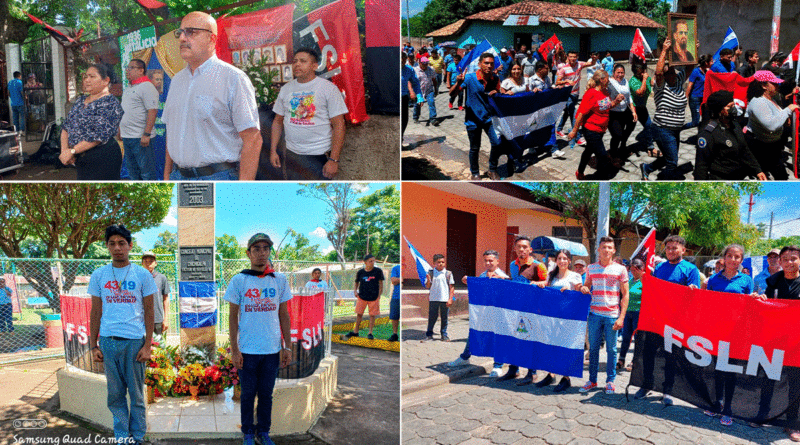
37	283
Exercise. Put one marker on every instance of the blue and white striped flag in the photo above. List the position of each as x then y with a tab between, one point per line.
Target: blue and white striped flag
471	59
422	266
527	119
524	325
756	264
730	41
197	304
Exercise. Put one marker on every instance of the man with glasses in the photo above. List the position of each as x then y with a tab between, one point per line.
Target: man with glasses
140	105
122	332
210	113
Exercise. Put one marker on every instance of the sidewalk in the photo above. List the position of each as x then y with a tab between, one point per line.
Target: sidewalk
365	409
446	406
441	153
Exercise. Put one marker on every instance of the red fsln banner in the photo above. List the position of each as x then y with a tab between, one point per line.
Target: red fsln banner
307	314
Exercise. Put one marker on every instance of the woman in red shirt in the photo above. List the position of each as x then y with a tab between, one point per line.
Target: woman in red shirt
593	117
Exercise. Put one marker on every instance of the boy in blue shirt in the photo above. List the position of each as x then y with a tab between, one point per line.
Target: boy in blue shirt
122	332
394	305
259	318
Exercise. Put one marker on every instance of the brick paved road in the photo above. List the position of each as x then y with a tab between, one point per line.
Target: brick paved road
442	406
430	152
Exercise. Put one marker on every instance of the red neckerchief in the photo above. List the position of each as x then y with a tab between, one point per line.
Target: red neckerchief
267	271
315	281
141	80
485	81
529	262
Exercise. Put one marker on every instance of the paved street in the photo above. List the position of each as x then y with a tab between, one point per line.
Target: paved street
441	153
443	406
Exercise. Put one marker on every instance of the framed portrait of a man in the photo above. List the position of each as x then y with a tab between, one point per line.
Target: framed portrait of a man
287	73
280	53
256	59
267	54
237	61
683	33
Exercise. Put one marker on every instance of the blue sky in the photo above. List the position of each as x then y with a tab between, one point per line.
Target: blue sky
244	209
778	198
415	7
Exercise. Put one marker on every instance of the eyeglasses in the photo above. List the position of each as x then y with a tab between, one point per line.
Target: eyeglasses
128	68
190	32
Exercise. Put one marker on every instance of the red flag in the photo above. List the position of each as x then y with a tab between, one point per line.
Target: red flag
52	31
639	48
151	4
646	251
549	45
727	82
793	57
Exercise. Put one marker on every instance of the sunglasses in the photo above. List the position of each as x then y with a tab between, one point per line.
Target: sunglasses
190	32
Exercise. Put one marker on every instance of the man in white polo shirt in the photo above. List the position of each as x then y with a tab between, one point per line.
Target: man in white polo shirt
210	113
259	317
311	110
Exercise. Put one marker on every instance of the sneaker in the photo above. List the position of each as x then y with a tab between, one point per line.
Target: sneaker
559	154
527	380
645	172
507	376
460	108
249	439
450	106
436	122
264	439
563	385
428	338
416	121
726	420
588	387
350	334
581	141
620	365
709	413
580	176
496	371
458	363
394	337
640	394
561	135
667	400
610	388
445	338
548	379
370	337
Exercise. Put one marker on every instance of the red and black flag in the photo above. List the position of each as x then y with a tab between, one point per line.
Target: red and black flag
723	352
647	251
60	36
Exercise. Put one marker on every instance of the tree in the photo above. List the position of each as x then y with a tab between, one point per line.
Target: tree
166	243
706	214
228	247
299	248
65	219
762	246
339	197
376	224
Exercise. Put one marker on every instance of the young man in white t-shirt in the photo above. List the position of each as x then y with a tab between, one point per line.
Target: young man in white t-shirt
440	282
311	111
259	334
315	283
122	332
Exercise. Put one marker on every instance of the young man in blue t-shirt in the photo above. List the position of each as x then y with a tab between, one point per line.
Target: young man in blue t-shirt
122	331
316	283
259	334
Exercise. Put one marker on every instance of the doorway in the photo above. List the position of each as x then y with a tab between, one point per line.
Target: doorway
462	234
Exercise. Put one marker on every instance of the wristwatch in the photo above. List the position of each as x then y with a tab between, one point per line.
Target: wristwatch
147	134
333	160
72	151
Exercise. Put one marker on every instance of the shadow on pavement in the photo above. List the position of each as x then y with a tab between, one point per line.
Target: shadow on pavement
415	169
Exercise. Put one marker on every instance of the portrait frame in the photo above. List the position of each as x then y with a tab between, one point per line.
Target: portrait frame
267	53
674	20
245	57
236	58
280	54
256	57
286	71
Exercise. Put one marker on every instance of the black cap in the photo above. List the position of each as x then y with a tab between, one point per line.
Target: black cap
718	100
368	256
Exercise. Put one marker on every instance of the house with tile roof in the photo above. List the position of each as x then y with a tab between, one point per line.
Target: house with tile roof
581	28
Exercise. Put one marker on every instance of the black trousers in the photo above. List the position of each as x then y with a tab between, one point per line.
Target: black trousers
404	114
436	308
101	163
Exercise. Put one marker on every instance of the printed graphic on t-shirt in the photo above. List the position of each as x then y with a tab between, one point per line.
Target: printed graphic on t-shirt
370	278
260	300
302	108
120	292
604	104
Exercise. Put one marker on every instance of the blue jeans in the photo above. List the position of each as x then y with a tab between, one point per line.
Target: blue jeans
19	117
647	133
667	140
474	137
227	175
257	376
602	327
694	107
125	375
466	355
570	110
139	160
631	322
431	107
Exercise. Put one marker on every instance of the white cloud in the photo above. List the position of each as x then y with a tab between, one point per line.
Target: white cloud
360	187
319	232
787	229
172	217
327	250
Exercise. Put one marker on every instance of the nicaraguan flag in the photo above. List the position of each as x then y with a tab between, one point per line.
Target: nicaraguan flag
756	264
422	266
527	119
471	59
730	41
197	304
524	325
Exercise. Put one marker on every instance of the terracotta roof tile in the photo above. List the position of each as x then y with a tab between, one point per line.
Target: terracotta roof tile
547	11
449	30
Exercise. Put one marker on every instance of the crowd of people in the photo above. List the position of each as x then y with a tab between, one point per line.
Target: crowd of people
615	101
211	118
615	286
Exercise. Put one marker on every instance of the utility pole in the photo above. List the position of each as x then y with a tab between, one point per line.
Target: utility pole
408	19
771	216
776	27
750	205
603	208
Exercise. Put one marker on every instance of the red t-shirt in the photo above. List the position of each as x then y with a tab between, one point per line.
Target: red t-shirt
595	106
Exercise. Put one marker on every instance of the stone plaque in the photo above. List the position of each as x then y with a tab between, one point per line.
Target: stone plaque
192	194
197	263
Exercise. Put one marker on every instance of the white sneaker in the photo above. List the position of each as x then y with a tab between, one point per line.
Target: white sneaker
559	154
458	362
495	371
